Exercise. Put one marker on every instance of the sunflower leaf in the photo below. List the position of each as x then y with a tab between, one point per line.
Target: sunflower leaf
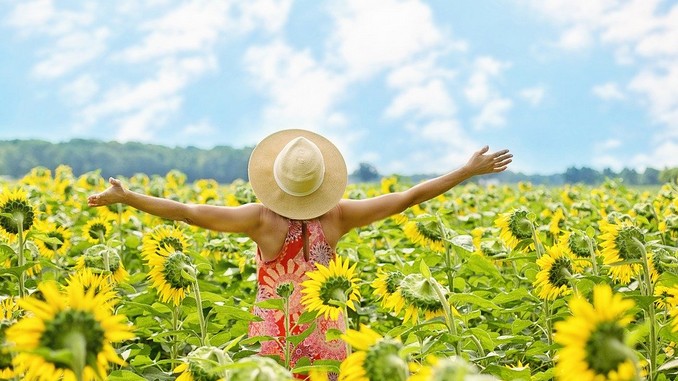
271	304
464	242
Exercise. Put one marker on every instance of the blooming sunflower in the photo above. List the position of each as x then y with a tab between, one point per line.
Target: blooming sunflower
58	232
97	230
8	312
416	294
619	244
20	211
85	280
576	244
515	227
593	339
163	236
553	278
557	222
94	258
328	289
59	323
203	364
112	212
425	233
375	358
386	285
666	296
165	273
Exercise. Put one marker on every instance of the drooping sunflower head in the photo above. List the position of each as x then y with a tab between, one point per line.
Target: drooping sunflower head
166	274
60	238
515	227
557	221
426	232
161	237
553	278
97	230
376	358
203	364
259	368
622	242
418	295
19	211
449	368
593	339
76	322
328	289
386	284
95	258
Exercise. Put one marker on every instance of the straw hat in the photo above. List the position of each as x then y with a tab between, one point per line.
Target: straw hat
297	174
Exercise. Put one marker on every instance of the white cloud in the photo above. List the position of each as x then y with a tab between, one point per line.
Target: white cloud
429	100
143	124
660	86
372	35
607	145
81	90
481	92
201	128
575	38
70	52
493	114
533	95
608	91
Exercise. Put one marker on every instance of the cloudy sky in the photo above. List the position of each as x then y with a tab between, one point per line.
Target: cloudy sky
410	86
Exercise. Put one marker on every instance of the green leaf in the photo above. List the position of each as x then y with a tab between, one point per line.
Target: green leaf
124	375
271	304
590	231
307	317
464	242
296	339
481	265
505	373
425	271
474	299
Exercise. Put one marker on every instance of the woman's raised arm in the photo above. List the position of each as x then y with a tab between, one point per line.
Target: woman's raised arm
240	219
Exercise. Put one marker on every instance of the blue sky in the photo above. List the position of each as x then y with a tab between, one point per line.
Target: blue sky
409	86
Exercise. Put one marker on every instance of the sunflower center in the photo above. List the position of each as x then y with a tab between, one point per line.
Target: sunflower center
627	246
58	333
174	263
97	230
520	226
22	215
383	363
418	291
560	272
172	242
334	290
578	244
604	348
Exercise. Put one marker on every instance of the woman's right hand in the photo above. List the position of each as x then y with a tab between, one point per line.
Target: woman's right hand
114	194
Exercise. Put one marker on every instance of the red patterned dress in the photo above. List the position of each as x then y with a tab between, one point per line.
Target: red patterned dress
291	266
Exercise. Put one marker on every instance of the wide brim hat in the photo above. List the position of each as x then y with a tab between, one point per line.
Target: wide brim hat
264	175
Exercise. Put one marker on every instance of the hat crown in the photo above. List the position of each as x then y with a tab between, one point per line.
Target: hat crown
299	168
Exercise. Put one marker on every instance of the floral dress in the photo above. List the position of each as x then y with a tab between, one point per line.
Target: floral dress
290	266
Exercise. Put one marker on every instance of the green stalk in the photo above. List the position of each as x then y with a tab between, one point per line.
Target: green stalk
174	348
448	254
592	252
650	313
21	260
286	311
201	316
77	343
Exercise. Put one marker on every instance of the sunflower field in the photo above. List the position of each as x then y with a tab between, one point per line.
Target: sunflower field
486	282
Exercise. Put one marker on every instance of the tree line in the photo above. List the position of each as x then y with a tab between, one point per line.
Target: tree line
226	164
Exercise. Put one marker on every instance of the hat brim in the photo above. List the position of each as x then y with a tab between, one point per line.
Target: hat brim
260	173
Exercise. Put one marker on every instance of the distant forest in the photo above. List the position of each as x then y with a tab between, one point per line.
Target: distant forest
226	164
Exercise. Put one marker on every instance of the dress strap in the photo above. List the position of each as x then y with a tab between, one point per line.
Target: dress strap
304	236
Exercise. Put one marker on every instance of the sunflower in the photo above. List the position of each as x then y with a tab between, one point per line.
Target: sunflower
97	230
328	289
375	358
259	368
576	245
203	364
619	244
8	311
425	233
557	222
388	184
553	278
19	211
593	339
163	236
449	368
166	269
666	296
94	258
54	231
59	323
386	285
87	280
112	212
515	227
416	294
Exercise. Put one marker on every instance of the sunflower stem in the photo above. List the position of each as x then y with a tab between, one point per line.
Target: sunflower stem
174	348
448	255
348	346
198	303
77	343
21	260
650	312
549	327
286	311
537	242
592	252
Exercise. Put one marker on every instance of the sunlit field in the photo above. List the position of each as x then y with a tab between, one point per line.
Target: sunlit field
487	282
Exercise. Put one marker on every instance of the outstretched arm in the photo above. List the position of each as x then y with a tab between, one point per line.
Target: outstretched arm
240	219
356	213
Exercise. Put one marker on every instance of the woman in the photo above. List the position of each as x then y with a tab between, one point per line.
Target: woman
300	178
